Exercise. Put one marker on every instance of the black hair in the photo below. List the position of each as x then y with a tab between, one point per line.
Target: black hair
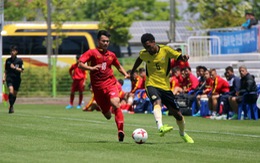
229	68
147	37
121	81
78	56
141	70
13	47
178	50
103	32
203	67
175	69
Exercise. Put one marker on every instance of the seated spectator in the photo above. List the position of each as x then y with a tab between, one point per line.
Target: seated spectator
181	64
137	82
176	81
190	82
250	20
220	87
247	85
142	73
206	90
201	78
234	86
124	106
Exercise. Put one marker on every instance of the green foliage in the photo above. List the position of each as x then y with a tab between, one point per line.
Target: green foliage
136	9
220	13
117	23
14	10
50	133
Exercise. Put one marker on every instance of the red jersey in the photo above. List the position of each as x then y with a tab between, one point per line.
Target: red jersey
137	84
193	82
174	82
208	86
220	85
143	82
104	77
181	64
76	72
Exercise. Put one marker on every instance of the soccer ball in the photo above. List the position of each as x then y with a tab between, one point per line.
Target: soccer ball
140	136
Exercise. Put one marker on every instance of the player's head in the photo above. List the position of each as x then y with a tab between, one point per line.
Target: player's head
243	71
13	50
121	81
142	72
149	44
103	37
179	50
229	71
213	73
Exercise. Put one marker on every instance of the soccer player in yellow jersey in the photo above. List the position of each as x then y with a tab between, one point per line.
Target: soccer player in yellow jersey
157	85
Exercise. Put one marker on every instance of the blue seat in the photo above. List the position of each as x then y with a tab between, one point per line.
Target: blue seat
204	108
250	110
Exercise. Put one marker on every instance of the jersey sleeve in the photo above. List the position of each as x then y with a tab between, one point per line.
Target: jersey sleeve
85	57
116	62
172	53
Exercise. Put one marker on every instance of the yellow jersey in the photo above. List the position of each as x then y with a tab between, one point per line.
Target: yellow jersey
158	66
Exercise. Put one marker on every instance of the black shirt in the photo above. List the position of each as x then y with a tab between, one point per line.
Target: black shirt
17	62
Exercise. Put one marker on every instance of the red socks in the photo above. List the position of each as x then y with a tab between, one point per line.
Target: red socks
71	98
119	119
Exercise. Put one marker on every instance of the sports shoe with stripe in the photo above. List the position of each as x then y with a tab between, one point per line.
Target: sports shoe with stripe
187	138
164	129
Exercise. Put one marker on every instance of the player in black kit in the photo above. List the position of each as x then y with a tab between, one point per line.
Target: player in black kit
12	75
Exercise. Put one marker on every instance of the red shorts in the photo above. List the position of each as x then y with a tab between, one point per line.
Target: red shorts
78	85
103	96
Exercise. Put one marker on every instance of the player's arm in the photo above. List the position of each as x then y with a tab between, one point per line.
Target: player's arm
84	66
184	58
71	70
122	71
137	63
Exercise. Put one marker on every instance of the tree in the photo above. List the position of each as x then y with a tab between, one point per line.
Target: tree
138	10
116	22
14	9
219	13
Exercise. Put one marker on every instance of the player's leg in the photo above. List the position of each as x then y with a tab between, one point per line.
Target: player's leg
170	103
119	116
81	86
72	95
11	96
154	96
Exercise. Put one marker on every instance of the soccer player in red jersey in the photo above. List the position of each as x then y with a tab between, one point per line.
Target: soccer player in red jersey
142	73
79	77
179	63
137	82
190	82
220	86
103	81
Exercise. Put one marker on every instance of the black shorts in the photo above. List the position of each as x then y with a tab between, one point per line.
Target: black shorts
15	82
166	97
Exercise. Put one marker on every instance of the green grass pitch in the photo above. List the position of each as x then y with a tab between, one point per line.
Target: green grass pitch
50	133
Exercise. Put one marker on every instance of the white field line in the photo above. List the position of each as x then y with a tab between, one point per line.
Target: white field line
105	122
